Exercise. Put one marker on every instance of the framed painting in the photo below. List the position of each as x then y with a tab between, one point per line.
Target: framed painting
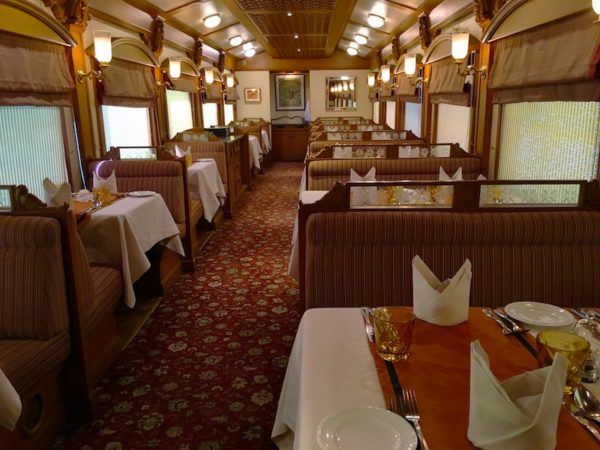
289	92
252	95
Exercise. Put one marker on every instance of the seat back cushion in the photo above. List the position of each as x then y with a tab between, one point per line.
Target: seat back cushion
33	300
364	258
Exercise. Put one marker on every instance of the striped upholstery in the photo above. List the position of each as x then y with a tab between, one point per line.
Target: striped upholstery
324	173
32	283
108	290
364	258
210	149
164	177
26	361
196	211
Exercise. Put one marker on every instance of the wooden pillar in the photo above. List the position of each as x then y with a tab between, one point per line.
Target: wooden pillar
484	110
162	115
426	107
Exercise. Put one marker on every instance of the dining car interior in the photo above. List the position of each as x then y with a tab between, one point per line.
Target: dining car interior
299	224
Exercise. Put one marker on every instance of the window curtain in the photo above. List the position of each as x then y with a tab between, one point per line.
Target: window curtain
231	96
33	73
128	84
373	95
386	91
213	93
446	85
405	92
186	83
558	61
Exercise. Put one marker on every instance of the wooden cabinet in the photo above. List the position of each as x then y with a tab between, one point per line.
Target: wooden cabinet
234	151
289	142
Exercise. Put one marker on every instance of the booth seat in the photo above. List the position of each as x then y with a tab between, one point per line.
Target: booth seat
34	325
322	174
363	258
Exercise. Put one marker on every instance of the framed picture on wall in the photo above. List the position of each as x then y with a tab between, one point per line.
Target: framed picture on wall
289	92
252	95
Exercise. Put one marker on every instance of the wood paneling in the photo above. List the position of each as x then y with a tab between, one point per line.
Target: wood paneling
289	142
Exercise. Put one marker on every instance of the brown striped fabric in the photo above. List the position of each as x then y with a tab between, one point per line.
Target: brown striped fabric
108	290
26	361
323	174
33	302
164	177
209	149
364	257
196	211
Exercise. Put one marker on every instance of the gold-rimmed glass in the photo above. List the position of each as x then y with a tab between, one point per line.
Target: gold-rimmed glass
393	332
101	195
574	347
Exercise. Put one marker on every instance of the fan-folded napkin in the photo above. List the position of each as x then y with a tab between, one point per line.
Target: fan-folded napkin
520	413
109	182
446	303
10	404
186	155
56	194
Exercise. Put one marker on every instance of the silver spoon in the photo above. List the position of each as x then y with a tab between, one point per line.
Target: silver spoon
587	403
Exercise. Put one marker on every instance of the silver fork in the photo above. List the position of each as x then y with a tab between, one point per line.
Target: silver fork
411	413
366	312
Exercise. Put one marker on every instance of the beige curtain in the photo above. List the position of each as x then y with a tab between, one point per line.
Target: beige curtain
232	95
186	83
558	61
128	84
373	95
213	93
386	91
446	85
34	72
405	92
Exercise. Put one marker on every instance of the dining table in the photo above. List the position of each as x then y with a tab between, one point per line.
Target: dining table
255	150
332	368
205	184
266	141
121	233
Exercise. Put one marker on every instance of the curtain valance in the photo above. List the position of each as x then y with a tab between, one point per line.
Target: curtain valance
128	84
232	95
34	72
186	83
446	85
558	61
213	93
405	92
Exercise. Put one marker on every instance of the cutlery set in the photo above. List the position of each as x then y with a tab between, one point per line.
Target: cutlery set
510	327
403	401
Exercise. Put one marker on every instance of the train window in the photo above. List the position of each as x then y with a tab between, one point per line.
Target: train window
390	114
210	114
32	146
376	112
549	140
412	117
125	126
229	114
179	109
453	124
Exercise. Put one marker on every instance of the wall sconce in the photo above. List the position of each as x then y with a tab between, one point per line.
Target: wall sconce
230	80
102	54
371	79
385	73
174	68
460	49
596	6
410	69
209	76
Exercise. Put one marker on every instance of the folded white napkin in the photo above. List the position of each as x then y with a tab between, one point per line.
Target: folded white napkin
363	196
10	404
109	182
520	413
444	195
458	175
186	155
446	303
56	194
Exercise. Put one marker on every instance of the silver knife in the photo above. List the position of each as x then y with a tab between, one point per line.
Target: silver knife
516	328
368	326
489	313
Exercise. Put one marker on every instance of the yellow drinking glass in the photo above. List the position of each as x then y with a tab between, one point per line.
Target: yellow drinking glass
393	332
575	348
102	195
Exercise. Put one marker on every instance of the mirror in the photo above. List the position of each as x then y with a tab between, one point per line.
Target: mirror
340	94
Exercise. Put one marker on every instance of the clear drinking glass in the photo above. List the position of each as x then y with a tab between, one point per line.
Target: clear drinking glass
393	332
574	347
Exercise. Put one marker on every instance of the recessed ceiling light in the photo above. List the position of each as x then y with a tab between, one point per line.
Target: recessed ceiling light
289	13
375	21
296	36
250	53
212	20
236	40
352	51
299	50
361	39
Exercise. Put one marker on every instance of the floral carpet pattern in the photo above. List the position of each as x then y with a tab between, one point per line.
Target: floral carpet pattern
205	371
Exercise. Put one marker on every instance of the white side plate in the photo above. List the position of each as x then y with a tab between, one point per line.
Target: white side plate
365	428
539	314
141	194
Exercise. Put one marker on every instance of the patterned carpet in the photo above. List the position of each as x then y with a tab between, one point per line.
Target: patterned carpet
206	370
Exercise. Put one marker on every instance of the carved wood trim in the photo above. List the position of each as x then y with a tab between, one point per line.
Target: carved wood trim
70	12
155	38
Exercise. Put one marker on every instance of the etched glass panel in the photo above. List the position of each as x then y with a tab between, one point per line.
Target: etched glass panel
5	201
401	197
530	195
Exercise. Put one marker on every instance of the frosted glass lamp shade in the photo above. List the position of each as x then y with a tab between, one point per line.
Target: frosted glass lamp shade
174	68
102	46
371	79
410	65
460	44
385	73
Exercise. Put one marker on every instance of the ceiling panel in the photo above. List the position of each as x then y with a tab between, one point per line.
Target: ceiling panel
238	52
301	23
303	42
391	12
168	5
374	36
309	53
362	50
193	14
286	5
222	36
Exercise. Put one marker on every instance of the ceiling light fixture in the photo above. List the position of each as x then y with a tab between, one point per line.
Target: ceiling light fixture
212	21
596	6
375	21
289	13
102	54
361	39
250	53
296	36
352	51
299	50
236	40
460	50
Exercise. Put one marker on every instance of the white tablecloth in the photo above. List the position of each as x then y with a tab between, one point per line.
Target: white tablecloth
306	197
255	150
124	231
10	404
206	185
266	142
330	369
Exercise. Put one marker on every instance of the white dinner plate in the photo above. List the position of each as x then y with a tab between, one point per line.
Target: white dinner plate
141	194
204	160
539	314
364	428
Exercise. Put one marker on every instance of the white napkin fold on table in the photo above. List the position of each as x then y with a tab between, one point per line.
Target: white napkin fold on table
363	196
10	404
56	194
520	413
446	303
109	182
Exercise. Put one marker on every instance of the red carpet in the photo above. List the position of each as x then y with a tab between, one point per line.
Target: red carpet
206	370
